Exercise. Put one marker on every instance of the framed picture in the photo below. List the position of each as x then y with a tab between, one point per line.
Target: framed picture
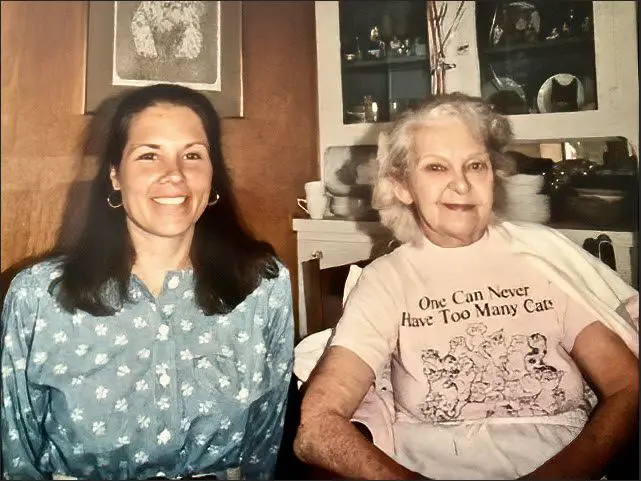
197	44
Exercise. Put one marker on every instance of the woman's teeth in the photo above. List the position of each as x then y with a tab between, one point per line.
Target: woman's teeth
170	200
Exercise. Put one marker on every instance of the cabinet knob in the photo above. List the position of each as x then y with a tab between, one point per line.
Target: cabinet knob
317	255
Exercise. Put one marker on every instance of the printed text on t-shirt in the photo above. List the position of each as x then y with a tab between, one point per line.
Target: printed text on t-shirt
475	304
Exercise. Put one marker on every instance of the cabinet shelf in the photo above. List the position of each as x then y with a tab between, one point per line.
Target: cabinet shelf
385	62
542	46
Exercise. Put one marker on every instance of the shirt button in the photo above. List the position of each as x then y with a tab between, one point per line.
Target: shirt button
164	379
163	332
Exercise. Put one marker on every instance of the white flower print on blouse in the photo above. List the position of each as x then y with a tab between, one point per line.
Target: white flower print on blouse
141	457
40	357
242	337
223	382
101	392
101	359
186	355
60	337
163	403
81	350
101	330
168	310
98	428
76	381
173	282
13	434
143	421
226	351
188	294
223	321
21	364
142	385
204	338
122	441
243	395
77	318
144	353
40	325
78	448
122	371
203	363
59	369
260	348
121	405
121	340
139	323
163	437
186	325
186	389
205	407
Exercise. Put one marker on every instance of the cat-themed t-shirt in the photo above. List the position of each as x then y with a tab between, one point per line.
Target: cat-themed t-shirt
473	332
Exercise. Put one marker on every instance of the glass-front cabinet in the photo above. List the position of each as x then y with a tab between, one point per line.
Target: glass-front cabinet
384	61
560	70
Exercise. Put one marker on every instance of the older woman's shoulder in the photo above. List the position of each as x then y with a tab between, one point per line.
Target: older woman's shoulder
532	230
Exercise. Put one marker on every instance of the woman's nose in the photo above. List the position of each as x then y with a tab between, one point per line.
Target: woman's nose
460	184
173	172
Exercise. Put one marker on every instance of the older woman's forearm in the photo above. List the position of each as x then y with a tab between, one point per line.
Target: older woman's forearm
332	442
611	426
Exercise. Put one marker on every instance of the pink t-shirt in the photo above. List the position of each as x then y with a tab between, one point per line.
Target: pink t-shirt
472	332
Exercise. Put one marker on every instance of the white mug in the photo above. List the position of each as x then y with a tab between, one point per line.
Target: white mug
315	205
316	187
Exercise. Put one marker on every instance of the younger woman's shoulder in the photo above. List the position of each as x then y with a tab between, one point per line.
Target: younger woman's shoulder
38	275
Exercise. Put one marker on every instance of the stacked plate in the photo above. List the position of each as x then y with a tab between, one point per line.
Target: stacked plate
524	201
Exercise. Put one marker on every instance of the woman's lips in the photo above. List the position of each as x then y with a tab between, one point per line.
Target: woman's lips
459	207
170	200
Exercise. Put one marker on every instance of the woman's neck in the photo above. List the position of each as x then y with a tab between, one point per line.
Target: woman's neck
155	256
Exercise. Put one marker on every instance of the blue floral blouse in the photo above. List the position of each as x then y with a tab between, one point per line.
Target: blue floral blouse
157	390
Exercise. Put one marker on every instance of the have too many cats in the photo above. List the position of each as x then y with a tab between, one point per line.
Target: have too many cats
495	301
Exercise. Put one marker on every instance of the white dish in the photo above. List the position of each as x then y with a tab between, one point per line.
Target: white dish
544	97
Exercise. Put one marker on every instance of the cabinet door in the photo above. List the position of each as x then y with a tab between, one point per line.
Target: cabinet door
564	69
373	63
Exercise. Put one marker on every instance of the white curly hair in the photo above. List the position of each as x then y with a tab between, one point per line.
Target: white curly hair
396	155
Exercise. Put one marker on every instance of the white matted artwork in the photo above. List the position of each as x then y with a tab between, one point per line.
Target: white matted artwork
197	44
167	41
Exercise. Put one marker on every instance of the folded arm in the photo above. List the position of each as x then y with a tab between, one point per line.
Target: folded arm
326	437
612	369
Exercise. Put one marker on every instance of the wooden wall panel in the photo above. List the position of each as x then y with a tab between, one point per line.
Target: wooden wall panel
271	151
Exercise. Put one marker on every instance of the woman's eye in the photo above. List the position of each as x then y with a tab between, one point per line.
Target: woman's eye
435	168
193	156
148	156
478	166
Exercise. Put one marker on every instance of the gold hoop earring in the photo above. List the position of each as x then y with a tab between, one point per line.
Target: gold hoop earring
215	201
110	202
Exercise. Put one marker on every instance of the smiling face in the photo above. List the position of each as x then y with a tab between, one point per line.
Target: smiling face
450	182
165	173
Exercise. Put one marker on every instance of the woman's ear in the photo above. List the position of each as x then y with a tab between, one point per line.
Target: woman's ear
113	175
402	192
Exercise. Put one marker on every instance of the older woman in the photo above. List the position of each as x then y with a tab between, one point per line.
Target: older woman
493	330
161	344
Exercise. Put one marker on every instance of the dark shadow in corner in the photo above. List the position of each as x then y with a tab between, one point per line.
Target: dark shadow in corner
90	145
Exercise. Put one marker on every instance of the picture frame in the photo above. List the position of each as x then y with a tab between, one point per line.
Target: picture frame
197	44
